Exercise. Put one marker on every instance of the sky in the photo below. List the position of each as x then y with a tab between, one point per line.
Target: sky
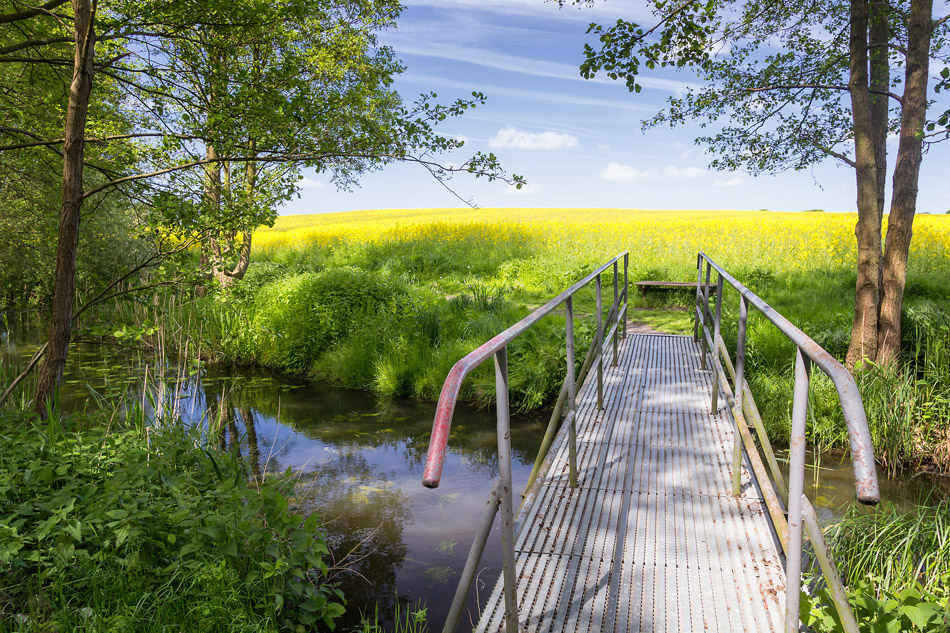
578	143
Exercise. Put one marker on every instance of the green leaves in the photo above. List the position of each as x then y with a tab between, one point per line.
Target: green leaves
107	521
878	610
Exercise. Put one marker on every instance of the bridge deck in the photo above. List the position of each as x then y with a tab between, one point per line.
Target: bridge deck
652	539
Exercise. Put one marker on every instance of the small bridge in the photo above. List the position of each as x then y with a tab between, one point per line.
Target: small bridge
651	506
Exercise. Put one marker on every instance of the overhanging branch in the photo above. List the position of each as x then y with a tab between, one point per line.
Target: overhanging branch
13	48
26	14
840	88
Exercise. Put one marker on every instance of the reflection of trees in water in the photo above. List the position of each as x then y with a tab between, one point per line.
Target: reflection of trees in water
253	449
347	418
363	513
364	516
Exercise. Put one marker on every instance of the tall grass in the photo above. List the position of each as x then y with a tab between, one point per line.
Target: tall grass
388	300
895	549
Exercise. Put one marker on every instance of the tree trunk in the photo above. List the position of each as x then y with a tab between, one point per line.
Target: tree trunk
864	326
64	281
224	276
906	173
880	82
210	250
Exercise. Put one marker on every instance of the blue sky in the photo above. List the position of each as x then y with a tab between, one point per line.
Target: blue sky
578	143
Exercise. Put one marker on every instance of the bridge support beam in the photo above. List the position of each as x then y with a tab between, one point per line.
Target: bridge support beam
507	503
796	488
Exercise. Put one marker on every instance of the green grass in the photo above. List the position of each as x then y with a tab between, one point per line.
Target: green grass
897	549
896	566
667	321
135	530
388	301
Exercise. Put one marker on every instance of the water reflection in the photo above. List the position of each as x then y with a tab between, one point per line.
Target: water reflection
359	463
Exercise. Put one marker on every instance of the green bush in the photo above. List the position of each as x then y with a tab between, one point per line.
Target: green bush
296	319
897	568
877	610
150	532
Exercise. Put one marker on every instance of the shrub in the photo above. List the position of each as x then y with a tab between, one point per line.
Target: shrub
150	532
296	319
896	567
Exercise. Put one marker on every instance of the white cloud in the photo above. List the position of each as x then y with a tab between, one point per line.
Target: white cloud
537	97
735	181
603	147
681	173
310	183
685	154
487	58
624	173
512	138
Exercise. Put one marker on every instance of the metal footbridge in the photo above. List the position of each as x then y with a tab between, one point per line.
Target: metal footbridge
656	502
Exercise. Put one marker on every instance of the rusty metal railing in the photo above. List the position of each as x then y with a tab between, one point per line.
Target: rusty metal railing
741	402
502	493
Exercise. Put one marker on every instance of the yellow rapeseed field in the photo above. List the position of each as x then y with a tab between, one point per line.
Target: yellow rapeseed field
767	240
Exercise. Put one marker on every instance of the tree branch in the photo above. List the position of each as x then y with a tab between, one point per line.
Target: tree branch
896	97
149	261
36	60
839	156
285	158
101	139
12	48
37	355
104	295
30	13
897	47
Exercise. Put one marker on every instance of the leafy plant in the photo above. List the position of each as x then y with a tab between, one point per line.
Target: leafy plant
878	610
150	531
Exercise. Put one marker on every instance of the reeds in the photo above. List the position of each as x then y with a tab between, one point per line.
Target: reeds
895	549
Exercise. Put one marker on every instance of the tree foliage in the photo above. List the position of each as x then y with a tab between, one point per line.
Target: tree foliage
205	113
785	85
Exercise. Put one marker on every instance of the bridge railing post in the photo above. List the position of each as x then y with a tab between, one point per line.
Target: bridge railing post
739	391
571	393
471	563
697	318
704	310
616	309
800	519
626	292
715	344
507	503
599	342
796	487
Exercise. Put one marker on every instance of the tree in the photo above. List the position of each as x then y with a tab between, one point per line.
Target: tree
789	84
228	108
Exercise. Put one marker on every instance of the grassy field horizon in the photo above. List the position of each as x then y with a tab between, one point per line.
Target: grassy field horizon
422	287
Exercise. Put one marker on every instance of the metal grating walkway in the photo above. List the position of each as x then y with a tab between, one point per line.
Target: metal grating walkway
652	539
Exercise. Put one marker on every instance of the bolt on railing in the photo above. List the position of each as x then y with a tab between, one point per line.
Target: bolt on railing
502	494
800	510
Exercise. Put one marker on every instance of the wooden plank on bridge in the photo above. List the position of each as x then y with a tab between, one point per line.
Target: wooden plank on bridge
652	539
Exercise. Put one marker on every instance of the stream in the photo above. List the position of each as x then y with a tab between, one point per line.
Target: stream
359	460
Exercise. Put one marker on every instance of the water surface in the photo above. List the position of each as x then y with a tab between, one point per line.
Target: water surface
359	462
